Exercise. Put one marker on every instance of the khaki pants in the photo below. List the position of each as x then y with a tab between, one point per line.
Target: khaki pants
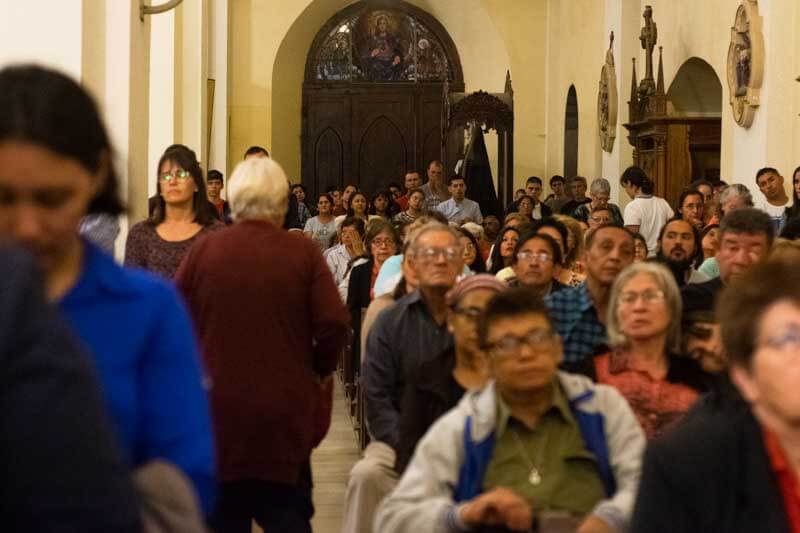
371	479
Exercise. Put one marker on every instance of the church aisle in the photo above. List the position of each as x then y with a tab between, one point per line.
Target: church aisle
331	464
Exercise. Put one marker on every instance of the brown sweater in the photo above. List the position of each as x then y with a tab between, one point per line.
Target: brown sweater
270	323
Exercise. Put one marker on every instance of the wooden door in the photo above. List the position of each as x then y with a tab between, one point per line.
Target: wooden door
383	138
372	135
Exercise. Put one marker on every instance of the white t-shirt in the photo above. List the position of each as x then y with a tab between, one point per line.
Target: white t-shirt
650	213
775	212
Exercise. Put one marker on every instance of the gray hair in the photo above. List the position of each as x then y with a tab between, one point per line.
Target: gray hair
736	190
430	227
672	296
600	186
258	189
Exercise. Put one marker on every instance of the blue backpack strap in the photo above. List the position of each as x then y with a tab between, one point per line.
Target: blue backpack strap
592	426
476	460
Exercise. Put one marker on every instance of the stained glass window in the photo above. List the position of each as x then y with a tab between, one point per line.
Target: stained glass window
380	46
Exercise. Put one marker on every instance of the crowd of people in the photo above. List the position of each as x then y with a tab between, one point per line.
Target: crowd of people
566	365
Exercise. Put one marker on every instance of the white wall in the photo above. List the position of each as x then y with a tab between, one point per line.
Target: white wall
218	70
162	92
42	31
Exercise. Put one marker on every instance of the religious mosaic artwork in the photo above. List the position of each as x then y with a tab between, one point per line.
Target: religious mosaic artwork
607	100
381	46
745	65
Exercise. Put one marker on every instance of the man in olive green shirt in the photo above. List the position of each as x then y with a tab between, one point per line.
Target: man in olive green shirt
533	444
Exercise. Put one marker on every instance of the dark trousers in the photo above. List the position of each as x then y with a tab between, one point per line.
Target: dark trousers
276	507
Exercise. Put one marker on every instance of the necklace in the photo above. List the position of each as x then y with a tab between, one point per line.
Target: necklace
535	475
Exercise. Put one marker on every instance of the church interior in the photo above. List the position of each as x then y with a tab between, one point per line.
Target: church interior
362	92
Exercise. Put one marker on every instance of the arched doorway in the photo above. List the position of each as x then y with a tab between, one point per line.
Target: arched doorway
696	96
571	134
372	96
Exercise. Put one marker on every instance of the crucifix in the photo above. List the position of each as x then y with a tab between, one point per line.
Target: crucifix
649	38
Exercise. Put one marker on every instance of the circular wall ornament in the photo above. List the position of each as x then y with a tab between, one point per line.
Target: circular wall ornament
607	101
745	64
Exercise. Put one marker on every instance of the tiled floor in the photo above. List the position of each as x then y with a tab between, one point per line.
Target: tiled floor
330	464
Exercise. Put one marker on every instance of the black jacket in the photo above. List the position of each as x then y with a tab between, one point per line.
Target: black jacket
711	473
61	468
431	393
358	298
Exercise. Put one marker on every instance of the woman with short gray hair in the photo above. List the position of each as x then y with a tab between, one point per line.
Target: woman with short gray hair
644	361
271	326
600	193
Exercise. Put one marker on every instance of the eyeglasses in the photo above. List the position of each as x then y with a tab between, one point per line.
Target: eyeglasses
471	313
510	345
180	175
541	257
383	242
648	297
451	253
788	341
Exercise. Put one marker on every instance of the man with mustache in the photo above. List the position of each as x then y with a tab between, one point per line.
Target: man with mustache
679	249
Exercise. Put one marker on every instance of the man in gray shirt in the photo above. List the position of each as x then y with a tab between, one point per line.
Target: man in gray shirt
409	333
435	190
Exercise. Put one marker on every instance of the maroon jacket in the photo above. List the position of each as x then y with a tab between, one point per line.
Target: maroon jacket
270	324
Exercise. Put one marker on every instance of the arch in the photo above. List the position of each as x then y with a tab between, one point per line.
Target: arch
571	134
375	168
696	90
336	53
329	158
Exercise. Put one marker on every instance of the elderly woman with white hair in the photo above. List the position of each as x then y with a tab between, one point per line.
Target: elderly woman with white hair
644	362
600	193
271	326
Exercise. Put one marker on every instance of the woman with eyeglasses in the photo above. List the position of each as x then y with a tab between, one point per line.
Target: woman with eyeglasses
473	260
180	216
55	168
381	243
645	362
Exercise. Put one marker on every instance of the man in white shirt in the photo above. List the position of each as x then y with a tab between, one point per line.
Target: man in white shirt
775	200
458	208
646	214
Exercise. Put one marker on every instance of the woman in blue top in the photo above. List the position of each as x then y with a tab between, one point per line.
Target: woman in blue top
55	167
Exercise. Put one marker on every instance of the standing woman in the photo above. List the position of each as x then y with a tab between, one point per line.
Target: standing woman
322	227
55	168
181	215
503	251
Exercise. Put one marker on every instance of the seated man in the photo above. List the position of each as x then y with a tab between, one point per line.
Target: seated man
534	264
534	445
732	466
459	208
